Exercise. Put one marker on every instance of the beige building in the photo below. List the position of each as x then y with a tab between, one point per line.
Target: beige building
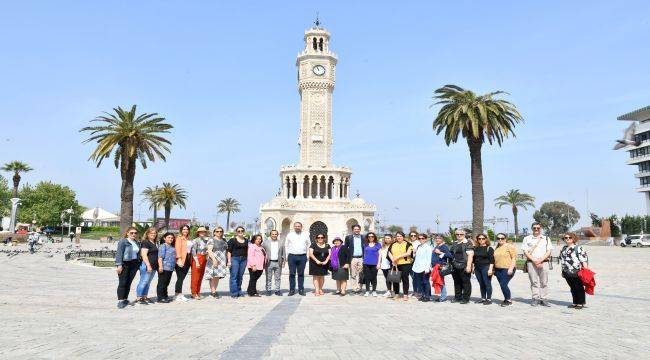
315	192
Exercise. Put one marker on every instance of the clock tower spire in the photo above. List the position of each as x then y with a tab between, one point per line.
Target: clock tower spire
316	78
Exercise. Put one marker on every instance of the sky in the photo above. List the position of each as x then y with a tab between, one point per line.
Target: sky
223	74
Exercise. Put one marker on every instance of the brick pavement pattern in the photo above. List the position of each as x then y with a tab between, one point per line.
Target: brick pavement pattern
53	309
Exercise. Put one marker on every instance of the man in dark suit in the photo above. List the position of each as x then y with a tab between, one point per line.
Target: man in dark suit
355	243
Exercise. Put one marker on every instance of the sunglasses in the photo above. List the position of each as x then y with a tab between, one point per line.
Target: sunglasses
536	228
481	238
219	231
567	238
133	232
413	235
422	238
240	231
500	238
460	234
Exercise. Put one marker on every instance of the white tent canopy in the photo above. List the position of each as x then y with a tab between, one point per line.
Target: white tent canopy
99	217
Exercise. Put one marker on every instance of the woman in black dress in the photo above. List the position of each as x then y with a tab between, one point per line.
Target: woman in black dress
319	257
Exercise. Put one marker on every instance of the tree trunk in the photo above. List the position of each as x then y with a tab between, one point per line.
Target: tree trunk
16	179
127	172
168	212
514	214
477	185
155	216
228	221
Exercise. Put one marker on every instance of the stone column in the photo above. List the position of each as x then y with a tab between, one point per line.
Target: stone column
337	188
284	188
300	189
318	187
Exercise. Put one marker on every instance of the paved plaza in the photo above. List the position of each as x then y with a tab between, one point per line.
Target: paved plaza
50	308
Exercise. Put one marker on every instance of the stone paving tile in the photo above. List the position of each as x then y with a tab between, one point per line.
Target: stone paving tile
51	309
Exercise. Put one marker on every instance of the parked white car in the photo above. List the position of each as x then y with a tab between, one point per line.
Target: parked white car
640	240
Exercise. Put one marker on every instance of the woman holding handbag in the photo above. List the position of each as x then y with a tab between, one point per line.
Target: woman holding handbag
574	258
340	263
401	255
319	257
505	261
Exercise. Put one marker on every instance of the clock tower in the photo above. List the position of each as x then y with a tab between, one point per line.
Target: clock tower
314	191
316	77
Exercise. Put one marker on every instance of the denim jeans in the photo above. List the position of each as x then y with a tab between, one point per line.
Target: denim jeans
297	265
443	293
142	290
484	281
504	279
237	269
417	288
422	279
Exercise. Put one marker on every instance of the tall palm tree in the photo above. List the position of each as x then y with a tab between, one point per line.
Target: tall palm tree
128	138
171	195
477	118
16	167
152	196
228	205
516	200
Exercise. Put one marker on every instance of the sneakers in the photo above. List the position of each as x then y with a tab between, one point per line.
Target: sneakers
278	293
487	302
366	294
481	301
122	304
181	298
301	292
387	294
374	294
506	303
534	303
544	303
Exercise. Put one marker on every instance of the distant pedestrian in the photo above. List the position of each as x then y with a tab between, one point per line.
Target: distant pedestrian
71	236
462	251
401	255
340	264
385	263
295	246
166	265
355	243
505	262
484	267
183	246
275	252
127	262
199	252
319	258
440	256
216	264
537	250
256	261
370	264
422	268
148	266
573	259
237	256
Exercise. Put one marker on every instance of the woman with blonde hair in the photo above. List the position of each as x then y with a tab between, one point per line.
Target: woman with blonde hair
148	266
505	261
127	262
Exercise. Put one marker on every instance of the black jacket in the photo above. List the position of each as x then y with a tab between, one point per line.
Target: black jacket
349	243
344	256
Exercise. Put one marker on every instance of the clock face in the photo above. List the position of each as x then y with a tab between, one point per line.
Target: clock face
319	70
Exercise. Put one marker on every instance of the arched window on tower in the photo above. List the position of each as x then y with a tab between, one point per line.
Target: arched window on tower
315	44
320	44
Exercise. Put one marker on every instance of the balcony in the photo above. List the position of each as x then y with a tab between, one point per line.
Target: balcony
638	159
642	174
643	188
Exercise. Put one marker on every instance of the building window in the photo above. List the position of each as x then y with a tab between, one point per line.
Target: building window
644	166
645	181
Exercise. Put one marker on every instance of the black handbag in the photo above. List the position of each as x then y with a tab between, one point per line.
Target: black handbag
394	276
445	269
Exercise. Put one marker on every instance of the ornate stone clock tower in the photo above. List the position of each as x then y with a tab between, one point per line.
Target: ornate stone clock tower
315	192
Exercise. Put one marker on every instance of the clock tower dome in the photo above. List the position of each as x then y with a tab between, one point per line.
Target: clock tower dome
316	77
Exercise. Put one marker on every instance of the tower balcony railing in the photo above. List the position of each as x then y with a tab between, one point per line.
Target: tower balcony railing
643	188
638	159
641	174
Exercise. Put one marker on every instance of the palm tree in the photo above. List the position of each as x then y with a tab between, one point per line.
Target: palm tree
228	205
516	200
16	167
152	196
477	119
128	138
171	195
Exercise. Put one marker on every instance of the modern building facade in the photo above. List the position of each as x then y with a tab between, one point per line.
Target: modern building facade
640	155
315	192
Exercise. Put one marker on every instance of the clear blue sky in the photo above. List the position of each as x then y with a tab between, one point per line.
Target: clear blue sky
224	75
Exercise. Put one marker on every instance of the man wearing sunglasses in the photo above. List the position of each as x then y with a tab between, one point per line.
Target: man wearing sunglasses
537	250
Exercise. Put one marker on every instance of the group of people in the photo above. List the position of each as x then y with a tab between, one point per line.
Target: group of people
357	258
